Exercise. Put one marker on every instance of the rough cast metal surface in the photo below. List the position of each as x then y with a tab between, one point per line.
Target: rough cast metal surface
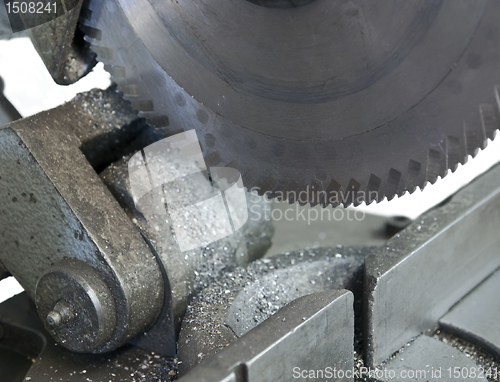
46	361
475	318
55	206
427	359
60	44
411	282
241	299
312	332
362	100
191	271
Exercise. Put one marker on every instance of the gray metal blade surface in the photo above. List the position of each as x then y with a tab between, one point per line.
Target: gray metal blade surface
332	102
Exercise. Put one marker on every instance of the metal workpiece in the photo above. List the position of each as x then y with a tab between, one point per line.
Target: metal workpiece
427	359
55	207
76	305
413	280
191	271
313	332
240	300
475	317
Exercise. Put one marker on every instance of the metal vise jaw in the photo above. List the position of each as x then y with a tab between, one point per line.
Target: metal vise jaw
64	236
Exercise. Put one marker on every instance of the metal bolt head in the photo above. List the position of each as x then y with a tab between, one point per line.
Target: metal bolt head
76	305
54	319
61	315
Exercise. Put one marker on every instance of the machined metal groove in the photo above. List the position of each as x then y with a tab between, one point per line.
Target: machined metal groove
270	352
474	318
451	249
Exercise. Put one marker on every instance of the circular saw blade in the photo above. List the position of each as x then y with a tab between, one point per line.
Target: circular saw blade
333	102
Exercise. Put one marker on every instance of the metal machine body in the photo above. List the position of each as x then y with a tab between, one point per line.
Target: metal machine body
316	102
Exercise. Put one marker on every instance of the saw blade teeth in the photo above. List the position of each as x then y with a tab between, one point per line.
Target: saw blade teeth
351	195
117	72
302	203
315	194
267	185
334	205
455	153
392	183
278	196
466	155
288	191
158	121
413	177
213	159
250	178
341	187
85	15
277	192
333	192
433	165
131	90
91	33
148	114
483	138
473	140
299	196
143	105
103	53
497	99
372	193
489	120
